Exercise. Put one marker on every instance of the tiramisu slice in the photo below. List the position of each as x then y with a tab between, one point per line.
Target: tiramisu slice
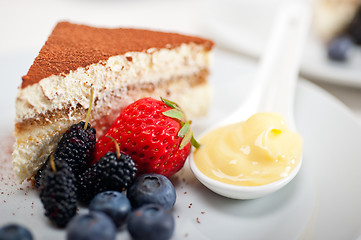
120	65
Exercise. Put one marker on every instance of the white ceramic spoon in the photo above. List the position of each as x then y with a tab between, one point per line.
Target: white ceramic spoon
273	91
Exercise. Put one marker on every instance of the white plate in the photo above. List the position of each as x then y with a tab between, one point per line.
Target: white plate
322	202
243	26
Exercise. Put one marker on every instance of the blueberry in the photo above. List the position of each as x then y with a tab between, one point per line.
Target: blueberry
115	204
339	48
15	232
152	188
92	226
151	222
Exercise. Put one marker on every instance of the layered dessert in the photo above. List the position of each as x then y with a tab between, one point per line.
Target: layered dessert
120	66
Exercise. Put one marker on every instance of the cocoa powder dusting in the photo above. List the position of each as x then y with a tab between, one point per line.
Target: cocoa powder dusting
71	46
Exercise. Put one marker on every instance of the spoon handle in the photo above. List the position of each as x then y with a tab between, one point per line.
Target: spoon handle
278	74
274	85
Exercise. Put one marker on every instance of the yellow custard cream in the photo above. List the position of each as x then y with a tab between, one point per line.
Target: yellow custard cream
258	151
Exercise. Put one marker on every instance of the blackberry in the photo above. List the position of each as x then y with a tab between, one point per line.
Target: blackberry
354	29
109	173
58	193
76	147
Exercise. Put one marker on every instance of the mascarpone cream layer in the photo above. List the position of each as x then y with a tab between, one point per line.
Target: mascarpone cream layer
31	152
118	72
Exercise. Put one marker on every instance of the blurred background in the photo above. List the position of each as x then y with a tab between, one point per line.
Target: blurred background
238	26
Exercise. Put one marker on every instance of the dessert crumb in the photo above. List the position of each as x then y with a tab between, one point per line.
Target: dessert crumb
198	220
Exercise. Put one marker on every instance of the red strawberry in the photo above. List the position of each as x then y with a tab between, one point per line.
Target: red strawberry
154	133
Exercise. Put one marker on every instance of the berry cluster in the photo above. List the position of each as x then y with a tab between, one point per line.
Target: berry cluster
67	177
57	178
145	210
149	135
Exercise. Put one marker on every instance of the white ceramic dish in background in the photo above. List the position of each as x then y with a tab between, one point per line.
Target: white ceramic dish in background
243	26
322	202
316	65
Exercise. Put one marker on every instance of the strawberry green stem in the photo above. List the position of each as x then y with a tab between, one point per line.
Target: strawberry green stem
185	132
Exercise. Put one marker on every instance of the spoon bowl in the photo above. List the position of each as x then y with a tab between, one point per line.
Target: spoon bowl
273	90
243	192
